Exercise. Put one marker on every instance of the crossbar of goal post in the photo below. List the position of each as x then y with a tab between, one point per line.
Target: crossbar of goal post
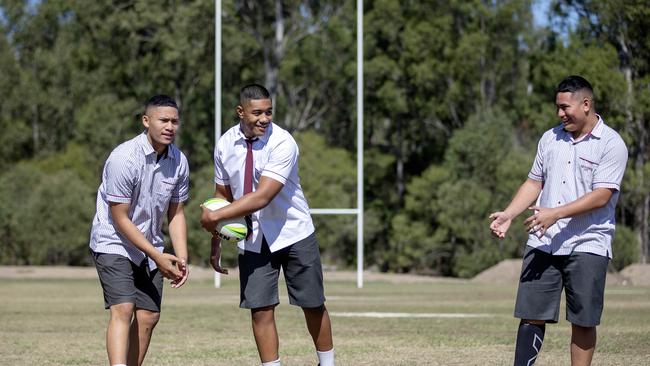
317	211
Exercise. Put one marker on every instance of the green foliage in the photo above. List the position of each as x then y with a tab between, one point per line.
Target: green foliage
16	187
625	248
76	160
328	177
46	217
454	104
448	206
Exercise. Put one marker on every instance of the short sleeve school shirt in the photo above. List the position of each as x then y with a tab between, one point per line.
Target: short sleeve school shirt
133	175
286	219
569	169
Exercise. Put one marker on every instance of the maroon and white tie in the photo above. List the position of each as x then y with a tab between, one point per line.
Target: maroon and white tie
248	181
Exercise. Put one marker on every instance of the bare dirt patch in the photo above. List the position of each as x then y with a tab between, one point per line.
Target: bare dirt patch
508	271
638	274
504	272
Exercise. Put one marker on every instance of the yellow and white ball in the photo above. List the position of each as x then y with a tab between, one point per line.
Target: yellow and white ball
231	230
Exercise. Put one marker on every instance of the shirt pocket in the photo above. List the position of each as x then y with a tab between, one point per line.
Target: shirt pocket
261	159
165	187
586	167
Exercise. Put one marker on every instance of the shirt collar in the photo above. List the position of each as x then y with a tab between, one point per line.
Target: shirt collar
143	141
598	128
264	138
596	132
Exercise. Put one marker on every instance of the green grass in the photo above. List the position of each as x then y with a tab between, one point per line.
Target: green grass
62	322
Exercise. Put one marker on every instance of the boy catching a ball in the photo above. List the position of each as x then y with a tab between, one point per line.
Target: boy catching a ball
256	168
144	180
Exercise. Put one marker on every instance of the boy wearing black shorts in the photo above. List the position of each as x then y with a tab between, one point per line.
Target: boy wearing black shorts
144	180
256	168
575	181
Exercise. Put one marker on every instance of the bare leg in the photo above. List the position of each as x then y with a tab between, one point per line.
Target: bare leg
319	326
583	345
265	332
117	334
140	335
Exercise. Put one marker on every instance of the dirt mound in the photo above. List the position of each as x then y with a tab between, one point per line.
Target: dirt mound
508	271
638	274
504	272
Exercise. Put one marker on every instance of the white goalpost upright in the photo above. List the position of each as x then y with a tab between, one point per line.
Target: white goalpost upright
217	92
316	211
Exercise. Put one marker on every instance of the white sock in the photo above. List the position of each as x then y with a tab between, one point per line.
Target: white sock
326	358
119	364
272	363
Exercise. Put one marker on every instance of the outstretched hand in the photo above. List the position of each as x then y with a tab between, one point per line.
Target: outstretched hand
500	224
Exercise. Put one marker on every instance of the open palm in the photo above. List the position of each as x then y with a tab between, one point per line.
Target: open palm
500	224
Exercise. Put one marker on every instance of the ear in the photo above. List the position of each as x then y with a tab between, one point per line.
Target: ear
240	111
145	121
586	104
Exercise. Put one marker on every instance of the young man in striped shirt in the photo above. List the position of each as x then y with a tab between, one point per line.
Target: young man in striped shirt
575	181
144	180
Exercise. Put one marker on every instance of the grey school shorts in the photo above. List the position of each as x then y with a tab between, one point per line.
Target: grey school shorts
543	276
124	281
303	273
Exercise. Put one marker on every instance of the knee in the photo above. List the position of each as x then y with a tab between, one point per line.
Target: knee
579	329
319	310
122	312
148	318
534	322
583	337
262	315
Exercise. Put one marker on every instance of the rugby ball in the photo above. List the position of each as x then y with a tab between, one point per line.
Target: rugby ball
231	230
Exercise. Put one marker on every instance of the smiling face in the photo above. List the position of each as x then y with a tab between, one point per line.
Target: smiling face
162	124
255	116
573	110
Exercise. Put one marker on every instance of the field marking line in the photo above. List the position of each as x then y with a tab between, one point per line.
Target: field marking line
409	315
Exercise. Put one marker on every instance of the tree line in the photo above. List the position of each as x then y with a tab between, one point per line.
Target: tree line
456	94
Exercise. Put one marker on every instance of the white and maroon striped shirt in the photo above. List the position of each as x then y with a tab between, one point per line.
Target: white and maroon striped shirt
569	169
132	175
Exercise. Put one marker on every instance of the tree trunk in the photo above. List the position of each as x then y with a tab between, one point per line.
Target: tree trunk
399	163
35	128
273	56
637	153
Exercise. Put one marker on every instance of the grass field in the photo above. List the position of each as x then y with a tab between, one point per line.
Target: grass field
62	322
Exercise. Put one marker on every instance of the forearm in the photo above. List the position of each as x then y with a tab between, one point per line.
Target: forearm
244	206
178	235
131	232
590	201
215	244
249	203
525	196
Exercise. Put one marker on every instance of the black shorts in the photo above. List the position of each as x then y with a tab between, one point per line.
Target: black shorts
125	282
543	276
303	273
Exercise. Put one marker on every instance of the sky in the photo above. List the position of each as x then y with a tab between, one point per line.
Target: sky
540	12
